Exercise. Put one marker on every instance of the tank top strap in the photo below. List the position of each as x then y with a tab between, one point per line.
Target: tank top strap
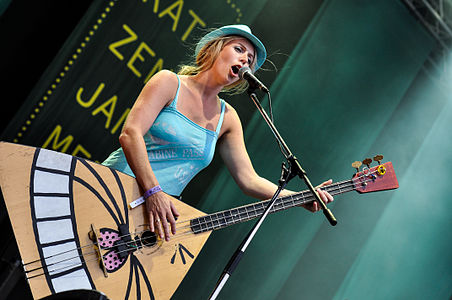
220	121
174	102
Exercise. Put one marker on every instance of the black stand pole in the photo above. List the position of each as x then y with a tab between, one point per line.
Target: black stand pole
293	161
294	169
235	259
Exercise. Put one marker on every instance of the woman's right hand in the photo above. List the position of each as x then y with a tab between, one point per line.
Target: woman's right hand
162	214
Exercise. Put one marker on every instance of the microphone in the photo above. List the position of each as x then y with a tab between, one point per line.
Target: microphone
247	74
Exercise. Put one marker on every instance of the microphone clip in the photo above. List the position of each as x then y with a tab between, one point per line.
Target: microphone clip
254	83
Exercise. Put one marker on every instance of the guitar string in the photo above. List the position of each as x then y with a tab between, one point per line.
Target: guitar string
338	188
237	215
335	187
85	255
68	266
286	200
127	250
278	207
335	190
232	216
56	254
176	236
85	261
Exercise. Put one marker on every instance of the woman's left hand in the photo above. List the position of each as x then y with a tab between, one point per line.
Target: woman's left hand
324	195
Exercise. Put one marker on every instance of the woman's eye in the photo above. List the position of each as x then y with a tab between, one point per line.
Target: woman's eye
238	49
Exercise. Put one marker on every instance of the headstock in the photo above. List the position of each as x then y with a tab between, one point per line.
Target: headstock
372	179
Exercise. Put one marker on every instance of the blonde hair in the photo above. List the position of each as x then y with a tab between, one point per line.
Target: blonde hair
206	58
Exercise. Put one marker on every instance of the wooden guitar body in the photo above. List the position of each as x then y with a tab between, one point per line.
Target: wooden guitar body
54	200
74	228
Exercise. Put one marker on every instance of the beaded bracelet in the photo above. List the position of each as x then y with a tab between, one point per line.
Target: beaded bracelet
152	191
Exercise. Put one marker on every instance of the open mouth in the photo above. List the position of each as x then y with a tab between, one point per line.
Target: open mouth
235	69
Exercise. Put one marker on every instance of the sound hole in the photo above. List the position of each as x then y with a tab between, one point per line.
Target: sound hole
148	238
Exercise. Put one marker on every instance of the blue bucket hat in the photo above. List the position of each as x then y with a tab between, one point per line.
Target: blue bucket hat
239	30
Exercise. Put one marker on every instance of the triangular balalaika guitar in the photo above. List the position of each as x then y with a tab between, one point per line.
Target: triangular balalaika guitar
75	229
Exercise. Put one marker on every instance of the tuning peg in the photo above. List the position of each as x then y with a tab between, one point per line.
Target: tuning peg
367	162
378	158
357	164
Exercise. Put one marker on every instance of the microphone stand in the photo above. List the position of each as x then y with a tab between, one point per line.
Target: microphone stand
294	164
287	174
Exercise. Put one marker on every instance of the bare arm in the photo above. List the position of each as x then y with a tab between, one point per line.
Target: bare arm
233	151
157	93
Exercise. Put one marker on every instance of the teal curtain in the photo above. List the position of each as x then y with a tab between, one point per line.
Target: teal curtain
4	5
408	250
353	87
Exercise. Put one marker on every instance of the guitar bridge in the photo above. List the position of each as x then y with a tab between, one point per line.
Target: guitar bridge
93	237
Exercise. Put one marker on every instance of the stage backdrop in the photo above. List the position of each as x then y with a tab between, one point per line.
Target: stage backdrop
82	100
350	85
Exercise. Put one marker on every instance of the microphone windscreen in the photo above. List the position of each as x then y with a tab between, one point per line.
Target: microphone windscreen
243	70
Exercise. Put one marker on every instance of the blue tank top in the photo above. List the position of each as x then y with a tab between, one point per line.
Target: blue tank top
177	147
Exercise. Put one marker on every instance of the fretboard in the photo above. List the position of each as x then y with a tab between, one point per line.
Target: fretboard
248	212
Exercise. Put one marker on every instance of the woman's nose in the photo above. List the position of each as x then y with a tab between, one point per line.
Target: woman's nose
244	59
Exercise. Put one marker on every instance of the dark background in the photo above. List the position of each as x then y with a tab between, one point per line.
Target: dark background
33	33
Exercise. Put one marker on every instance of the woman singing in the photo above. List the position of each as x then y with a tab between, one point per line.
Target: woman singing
178	120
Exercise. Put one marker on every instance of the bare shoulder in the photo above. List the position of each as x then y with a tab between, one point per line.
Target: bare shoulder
163	79
161	87
230	111
231	123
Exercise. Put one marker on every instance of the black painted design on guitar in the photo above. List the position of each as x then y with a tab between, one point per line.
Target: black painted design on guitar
181	249
52	184
46	221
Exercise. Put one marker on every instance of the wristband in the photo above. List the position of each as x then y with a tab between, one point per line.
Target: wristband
152	191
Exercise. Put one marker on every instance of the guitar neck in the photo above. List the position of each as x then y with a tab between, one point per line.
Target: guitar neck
248	212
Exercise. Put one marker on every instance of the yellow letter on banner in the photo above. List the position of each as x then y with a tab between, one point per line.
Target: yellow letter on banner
157	67
156	5
196	19
93	98
137	54
133	37
56	145
108	113
79	148
168	11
